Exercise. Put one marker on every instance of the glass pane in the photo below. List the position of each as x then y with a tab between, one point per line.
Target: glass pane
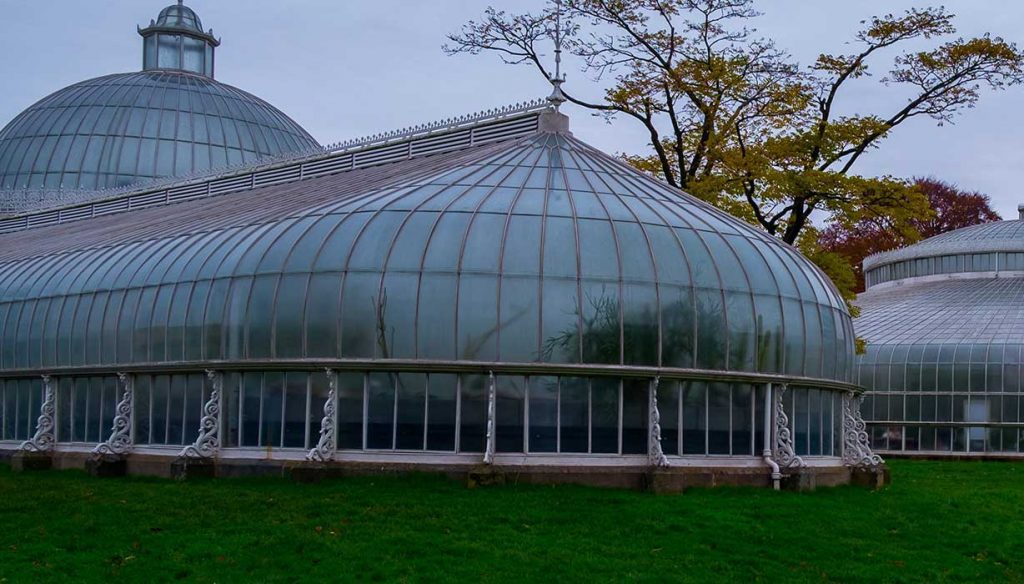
473	413
510	414
296	388
350	410
412	394
634	416
574	414
604	430
543	414
381	411
441	407
695	417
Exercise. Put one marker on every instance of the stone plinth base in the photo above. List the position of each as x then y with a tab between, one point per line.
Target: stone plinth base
314	472
107	466
29	461
483	476
183	469
608	472
872	477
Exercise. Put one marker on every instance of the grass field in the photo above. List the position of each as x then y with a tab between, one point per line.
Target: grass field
939	521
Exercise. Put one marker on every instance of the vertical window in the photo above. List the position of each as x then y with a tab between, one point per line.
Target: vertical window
635	396
380	411
695	417
509	414
604	421
543	393
170	51
473	413
350	410
441	409
574	414
294	425
412	394
194	53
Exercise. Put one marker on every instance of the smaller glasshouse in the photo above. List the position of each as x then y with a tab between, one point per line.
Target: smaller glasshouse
944	322
487	295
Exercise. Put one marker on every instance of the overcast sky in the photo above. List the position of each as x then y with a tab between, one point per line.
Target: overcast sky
347	68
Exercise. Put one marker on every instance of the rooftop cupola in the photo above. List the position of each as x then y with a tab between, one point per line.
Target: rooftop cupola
176	41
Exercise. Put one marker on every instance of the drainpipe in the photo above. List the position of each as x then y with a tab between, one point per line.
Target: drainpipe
768	433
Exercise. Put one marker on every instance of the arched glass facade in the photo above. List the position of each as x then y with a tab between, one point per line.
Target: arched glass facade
945	335
570	277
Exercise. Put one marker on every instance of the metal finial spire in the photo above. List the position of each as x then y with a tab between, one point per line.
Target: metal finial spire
557	98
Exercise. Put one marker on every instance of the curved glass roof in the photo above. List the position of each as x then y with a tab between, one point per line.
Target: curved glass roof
180	16
539	249
980	310
122	129
986	237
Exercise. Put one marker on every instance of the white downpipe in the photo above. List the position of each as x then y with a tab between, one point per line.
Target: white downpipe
768	435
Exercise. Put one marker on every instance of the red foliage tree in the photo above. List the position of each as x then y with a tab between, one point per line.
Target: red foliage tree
952	209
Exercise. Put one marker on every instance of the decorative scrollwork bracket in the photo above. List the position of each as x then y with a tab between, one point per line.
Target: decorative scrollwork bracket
856	444
655	454
783	451
492	399
327	446
45	437
121	440
207	444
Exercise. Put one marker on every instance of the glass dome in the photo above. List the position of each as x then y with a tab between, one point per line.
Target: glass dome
500	289
945	333
545	252
122	129
180	16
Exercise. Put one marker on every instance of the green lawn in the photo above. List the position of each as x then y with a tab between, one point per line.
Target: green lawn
939	521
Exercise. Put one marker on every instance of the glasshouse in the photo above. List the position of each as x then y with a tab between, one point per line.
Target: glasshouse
945	327
486	294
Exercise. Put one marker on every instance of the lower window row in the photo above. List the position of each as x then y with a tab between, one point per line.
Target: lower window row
433	412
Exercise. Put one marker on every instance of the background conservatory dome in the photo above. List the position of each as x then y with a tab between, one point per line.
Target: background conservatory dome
944	322
171	119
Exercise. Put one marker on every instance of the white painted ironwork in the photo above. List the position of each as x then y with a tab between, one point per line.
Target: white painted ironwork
768	451
655	454
440	126
327	446
782	451
45	437
492	398
121	440
207	444
856	445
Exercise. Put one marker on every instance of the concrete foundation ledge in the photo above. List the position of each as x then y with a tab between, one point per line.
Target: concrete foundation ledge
107	466
28	461
615	474
183	469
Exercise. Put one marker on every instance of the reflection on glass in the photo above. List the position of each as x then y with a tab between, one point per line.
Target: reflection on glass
510	413
604	431
380	411
412	395
473	413
635	396
350	410
441	410
574	414
543	414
